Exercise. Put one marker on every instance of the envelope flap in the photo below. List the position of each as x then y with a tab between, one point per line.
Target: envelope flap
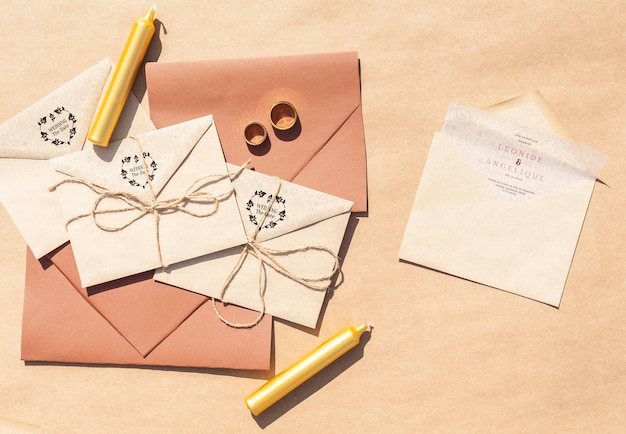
533	110
136	164
145	312
324	88
61	326
294	207
58	123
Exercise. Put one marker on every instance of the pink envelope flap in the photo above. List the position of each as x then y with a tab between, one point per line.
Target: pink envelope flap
142	310
59	325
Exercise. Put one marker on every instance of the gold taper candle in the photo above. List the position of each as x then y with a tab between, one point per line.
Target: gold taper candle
119	87
283	383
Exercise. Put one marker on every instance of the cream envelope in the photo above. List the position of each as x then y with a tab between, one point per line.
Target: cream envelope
145	202
325	150
303	229
501	203
54	126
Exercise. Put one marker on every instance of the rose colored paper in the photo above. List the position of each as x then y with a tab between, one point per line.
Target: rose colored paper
325	150
55	125
158	166
300	217
501	203
132	321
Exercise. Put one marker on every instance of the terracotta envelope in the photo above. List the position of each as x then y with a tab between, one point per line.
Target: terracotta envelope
160	198
500	202
324	151
53	126
133	321
303	228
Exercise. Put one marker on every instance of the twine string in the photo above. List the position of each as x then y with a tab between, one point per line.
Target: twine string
270	257
130	202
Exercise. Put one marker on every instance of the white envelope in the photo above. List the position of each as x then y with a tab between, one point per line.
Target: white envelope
501	203
55	125
188	208
306	229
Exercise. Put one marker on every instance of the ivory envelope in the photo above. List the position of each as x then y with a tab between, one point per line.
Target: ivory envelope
501	203
147	201
132	321
303	227
324	151
55	125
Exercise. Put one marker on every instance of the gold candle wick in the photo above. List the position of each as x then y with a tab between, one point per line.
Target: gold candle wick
119	87
309	365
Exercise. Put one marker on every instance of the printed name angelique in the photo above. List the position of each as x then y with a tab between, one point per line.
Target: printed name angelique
516	168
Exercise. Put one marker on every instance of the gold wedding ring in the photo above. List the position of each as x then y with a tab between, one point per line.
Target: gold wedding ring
255	133
283	115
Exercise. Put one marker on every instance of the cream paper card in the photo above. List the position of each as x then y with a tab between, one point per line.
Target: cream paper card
303	227
501	204
54	126
145	202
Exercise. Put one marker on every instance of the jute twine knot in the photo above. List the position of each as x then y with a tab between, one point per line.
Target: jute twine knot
269	257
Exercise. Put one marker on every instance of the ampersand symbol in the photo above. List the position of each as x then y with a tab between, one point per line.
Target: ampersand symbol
518	162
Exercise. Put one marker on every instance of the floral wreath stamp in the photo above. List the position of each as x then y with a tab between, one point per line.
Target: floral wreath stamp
134	169
58	127
257	206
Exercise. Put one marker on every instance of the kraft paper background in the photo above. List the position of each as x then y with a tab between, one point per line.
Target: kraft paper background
446	355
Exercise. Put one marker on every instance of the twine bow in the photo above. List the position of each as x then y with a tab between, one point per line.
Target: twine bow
269	257
157	207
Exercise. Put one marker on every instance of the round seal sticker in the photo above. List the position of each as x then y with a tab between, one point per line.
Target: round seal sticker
257	206
58	127
134	169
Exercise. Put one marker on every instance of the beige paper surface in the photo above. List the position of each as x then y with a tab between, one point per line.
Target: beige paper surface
126	237
491	201
300	218
15	427
446	355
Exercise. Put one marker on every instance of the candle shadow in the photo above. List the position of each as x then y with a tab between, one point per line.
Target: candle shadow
313	384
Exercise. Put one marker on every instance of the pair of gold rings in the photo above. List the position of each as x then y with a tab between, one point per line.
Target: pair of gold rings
283	116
